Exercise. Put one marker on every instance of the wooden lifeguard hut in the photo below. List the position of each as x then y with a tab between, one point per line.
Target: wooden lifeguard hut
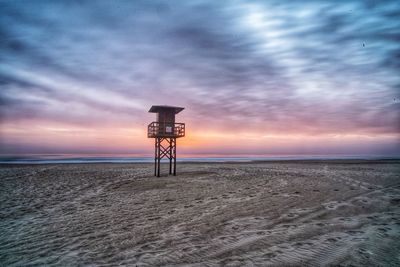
165	131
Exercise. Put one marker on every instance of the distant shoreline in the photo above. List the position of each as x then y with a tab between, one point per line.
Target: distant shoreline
227	160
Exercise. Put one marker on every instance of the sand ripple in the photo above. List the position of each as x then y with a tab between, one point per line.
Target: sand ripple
247	214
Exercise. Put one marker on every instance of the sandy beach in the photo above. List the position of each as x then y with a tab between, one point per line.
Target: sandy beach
310	213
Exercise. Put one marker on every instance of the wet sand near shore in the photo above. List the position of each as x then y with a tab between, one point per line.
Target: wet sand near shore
310	213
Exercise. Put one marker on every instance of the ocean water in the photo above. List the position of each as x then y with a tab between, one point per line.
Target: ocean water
79	158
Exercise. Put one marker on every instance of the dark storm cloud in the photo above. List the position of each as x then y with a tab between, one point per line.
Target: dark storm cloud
314	67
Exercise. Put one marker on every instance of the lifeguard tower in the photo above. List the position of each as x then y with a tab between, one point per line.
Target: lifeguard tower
165	131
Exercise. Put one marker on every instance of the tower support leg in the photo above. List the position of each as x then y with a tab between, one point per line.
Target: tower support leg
170	155
155	155
158	157
174	156
168	150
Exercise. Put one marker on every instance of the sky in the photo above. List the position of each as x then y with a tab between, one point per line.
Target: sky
255	77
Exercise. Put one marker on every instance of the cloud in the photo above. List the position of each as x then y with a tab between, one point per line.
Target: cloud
274	67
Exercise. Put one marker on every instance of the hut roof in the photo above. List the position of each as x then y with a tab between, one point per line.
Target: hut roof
157	109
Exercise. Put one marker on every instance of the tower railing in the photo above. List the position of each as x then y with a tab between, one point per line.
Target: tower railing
165	129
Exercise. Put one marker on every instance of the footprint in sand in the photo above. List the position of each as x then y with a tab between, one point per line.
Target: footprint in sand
289	226
355	232
146	247
153	218
270	255
384	229
332	240
186	233
298	244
